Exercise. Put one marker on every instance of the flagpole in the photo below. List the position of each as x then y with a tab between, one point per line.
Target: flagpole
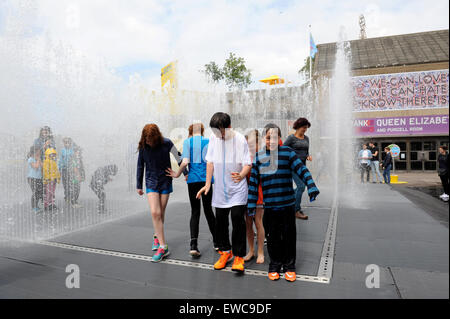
310	59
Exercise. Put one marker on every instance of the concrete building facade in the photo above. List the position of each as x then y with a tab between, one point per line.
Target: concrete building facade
400	87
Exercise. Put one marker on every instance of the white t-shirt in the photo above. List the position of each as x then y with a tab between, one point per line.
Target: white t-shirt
228	156
365	153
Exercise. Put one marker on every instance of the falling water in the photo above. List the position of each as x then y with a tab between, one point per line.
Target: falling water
49	83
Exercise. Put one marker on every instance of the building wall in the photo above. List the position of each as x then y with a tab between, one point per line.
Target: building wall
420	151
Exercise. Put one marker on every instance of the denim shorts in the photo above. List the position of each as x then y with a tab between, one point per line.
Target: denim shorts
163	192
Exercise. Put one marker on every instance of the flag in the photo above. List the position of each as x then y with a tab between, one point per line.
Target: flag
312	47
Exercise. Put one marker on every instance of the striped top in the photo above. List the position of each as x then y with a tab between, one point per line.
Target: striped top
276	178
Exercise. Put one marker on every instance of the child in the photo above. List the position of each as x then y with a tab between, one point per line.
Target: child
77	175
101	177
194	149
273	168
65	159
51	177
253	145
154	158
228	159
34	177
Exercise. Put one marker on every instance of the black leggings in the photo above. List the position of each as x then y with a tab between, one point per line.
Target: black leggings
193	189
281	234
445	182
239	234
37	191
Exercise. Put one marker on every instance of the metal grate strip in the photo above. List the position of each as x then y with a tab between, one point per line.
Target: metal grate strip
300	277
327	258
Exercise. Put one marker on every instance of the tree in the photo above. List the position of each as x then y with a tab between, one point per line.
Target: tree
213	71
234	72
305	69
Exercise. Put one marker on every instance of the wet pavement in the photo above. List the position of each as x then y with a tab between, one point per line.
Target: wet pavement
376	225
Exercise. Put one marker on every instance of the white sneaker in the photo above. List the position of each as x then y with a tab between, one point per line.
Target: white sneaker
445	199
443	195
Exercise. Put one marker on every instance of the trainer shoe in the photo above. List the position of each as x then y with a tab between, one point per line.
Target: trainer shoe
274	276
238	264
194	252
290	276
223	260
155	245
160	254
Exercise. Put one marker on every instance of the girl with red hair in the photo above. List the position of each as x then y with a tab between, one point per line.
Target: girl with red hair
154	157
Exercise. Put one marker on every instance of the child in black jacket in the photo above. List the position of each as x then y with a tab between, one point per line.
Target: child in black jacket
101	177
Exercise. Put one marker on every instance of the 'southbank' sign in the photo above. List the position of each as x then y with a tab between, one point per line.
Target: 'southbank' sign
405	125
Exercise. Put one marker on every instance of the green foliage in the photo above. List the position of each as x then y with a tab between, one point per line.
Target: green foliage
234	72
213	72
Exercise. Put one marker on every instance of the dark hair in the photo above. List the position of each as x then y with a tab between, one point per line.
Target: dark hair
191	129
47	129
387	148
220	120
151	135
112	169
444	147
33	151
300	123
272	126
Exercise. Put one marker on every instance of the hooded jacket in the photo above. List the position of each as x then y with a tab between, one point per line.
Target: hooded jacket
50	170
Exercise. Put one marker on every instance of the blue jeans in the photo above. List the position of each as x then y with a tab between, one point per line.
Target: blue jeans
375	167
387	174
298	192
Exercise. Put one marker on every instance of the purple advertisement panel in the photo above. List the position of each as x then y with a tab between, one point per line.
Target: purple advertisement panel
405	125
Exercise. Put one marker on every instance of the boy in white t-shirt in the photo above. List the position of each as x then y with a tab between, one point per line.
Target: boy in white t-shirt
228	159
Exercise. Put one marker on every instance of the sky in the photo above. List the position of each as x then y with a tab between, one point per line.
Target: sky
142	36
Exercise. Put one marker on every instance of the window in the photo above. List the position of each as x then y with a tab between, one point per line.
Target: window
413	156
416	146
430	166
432	156
400	165
429	146
416	166
402	145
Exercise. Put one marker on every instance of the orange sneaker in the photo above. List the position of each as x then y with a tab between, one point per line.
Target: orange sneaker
274	276
223	260
290	276
238	264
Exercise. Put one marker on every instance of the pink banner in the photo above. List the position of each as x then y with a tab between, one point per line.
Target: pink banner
405	125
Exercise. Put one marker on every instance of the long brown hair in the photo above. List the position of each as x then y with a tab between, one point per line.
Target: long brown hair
191	129
151	135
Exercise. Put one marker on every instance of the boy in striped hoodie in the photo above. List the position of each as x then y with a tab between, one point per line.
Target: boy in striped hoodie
273	168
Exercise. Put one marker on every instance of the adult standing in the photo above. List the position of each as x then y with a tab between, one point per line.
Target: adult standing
387	165
194	151
365	157
443	171
375	164
45	140
299	142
